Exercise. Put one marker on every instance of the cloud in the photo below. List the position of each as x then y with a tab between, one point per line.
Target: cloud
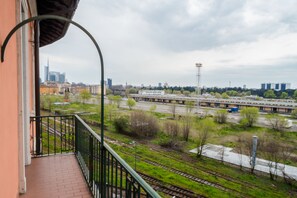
151	41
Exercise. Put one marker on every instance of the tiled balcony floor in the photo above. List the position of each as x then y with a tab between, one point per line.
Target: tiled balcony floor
56	176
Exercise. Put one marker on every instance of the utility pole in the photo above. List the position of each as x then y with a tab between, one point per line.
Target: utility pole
198	65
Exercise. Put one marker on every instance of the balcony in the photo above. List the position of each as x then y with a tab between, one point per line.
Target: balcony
69	160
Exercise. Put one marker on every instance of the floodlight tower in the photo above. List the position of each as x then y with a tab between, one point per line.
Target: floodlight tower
198	65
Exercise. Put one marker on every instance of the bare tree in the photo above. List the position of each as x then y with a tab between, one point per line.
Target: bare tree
240	149
186	126
222	153
189	106
171	128
277	122
173	108
272	152
206	127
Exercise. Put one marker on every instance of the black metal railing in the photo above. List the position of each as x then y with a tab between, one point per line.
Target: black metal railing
106	173
57	135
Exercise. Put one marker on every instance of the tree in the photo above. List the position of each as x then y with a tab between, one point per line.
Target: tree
46	101
284	95
232	93
85	95
272	152
108	91
249	116
186	93
225	95
206	127
117	100
172	129
220	116
294	113
131	103
186	126
269	94
295	95
189	106
173	108
277	122
218	95
176	92
110	110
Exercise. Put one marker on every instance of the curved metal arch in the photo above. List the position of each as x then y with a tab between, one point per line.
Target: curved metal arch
44	17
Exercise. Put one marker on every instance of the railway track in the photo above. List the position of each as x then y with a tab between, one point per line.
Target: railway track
191	177
216	174
170	190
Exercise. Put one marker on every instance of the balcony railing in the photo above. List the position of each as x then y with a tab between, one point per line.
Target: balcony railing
106	173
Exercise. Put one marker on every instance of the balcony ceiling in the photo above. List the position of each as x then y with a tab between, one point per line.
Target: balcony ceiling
53	30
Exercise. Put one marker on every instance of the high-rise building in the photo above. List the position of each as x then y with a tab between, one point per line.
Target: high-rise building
276	86
109	83
62	77
46	73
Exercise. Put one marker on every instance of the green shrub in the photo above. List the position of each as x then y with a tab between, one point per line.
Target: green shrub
121	124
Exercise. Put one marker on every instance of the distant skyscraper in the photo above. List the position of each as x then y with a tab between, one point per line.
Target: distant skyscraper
160	85
46	73
62	78
109	83
276	86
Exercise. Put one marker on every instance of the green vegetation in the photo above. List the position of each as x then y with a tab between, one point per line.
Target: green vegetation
85	95
269	94
167	142
249	116
131	103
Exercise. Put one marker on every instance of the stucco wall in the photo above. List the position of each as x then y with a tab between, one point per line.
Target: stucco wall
8	104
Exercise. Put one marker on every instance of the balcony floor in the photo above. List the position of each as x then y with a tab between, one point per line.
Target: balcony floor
55	177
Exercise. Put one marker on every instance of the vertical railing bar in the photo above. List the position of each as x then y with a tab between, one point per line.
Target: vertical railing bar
121	175
48	136
61	139
55	141
41	138
138	190
91	165
66	134
111	179
95	167
116	178
108	166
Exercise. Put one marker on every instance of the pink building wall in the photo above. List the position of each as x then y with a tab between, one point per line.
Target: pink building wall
9	103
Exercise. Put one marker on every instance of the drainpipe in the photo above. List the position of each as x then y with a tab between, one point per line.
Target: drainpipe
37	85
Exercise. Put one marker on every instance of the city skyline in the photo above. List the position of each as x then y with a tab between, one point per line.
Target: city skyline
242	42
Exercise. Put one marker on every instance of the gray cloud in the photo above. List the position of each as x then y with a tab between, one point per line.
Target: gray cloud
146	42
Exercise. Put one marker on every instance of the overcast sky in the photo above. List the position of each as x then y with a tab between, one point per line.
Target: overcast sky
245	42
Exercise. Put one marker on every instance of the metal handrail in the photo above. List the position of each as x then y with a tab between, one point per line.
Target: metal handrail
135	175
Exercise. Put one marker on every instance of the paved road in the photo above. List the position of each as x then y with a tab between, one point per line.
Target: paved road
219	152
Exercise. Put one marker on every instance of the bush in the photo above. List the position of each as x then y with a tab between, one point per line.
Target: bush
220	116
169	142
143	124
171	128
121	124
